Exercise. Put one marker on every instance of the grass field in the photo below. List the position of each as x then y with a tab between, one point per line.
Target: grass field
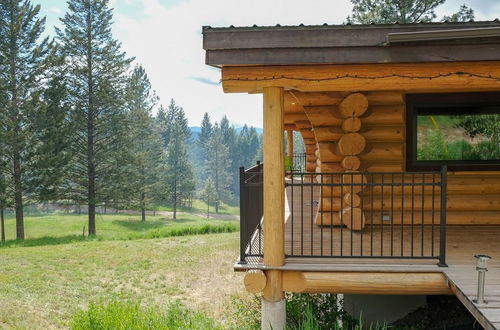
200	207
44	285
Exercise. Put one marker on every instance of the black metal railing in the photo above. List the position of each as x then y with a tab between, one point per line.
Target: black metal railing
400	215
299	162
251	212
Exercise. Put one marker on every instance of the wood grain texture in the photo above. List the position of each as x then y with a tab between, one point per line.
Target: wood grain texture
447	77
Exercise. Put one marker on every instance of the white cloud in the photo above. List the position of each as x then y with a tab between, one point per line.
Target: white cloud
56	10
168	42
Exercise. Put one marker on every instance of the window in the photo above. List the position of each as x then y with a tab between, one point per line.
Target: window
461	130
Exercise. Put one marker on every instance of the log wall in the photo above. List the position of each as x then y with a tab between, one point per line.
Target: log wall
349	138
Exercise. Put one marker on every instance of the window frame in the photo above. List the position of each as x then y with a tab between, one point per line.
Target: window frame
415	103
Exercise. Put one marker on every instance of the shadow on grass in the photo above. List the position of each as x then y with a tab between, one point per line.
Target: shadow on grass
153	233
135	225
48	240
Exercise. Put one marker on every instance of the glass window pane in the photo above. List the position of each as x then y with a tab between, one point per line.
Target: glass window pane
458	137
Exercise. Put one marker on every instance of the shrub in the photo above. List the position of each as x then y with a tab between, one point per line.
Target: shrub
131	316
323	311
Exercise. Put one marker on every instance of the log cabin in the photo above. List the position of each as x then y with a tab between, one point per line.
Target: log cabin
401	187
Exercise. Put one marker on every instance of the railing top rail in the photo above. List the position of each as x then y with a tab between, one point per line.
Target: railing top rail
360	173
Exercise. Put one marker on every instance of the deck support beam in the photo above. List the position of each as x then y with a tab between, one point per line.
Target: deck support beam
273	303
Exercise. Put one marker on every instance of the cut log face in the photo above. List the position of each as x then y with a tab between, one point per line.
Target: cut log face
352	199
351	125
353	218
354	105
352	144
255	281
352	182
351	163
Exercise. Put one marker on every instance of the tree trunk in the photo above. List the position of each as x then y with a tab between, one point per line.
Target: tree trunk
175	200
143	207
2	221
91	178
18	198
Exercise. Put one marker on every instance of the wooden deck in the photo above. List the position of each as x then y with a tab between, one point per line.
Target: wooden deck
311	247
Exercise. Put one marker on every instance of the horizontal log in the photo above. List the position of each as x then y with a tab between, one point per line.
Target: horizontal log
310	148
377	166
454	203
328	134
384	133
385	152
324	116
309	141
408	77
290	127
452	218
303	124
291	118
371	133
366	283
334	98
307	134
330	167
384	115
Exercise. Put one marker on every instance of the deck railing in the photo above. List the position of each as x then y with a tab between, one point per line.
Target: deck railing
400	215
299	162
251	211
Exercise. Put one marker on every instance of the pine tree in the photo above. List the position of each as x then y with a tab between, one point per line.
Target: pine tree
51	133
145	144
402	11
96	82
218	166
464	14
178	172
208	194
390	11
199	150
23	57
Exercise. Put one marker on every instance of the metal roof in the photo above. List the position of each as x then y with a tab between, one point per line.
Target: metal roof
345	44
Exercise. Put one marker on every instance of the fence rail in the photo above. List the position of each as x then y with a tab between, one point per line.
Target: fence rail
400	215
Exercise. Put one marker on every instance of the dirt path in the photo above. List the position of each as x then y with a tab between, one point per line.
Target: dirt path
169	214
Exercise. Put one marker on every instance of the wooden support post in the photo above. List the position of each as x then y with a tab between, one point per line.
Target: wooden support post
274	181
289	136
273	311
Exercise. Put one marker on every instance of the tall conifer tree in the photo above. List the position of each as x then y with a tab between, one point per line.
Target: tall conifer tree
178	172
97	78
218	166
145	144
23	56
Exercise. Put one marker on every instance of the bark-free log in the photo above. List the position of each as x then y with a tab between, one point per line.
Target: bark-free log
303	124
352	199
255	280
351	144
366	283
351	125
354	105
354	181
374	152
353	218
328	134
324	115
351	163
274	182
331	168
384	115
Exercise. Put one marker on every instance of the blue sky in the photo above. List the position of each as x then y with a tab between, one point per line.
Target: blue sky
165	37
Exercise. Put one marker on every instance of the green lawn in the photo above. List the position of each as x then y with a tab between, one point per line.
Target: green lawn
200	207
43	286
65	228
45	280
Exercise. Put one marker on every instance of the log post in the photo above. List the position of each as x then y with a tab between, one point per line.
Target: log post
273	302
